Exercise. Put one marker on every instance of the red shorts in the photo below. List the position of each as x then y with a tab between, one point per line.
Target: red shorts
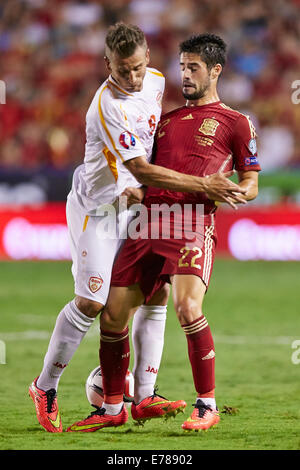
151	262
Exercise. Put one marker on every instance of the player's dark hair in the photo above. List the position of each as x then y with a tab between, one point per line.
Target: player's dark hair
124	38
210	47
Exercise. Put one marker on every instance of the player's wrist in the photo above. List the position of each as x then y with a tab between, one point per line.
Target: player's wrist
204	185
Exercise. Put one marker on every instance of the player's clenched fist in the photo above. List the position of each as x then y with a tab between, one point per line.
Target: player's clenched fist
134	195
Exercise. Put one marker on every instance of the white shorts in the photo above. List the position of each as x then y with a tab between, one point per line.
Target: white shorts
92	255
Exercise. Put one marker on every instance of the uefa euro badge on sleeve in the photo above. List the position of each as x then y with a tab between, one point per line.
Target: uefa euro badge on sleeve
252	146
127	140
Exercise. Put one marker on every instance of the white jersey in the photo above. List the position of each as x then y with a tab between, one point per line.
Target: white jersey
119	126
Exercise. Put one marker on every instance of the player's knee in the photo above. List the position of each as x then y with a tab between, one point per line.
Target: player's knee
160	297
111	320
88	307
187	310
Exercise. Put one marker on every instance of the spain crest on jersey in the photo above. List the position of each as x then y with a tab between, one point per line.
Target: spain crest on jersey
209	126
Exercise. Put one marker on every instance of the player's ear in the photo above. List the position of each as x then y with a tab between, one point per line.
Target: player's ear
107	63
147	56
216	71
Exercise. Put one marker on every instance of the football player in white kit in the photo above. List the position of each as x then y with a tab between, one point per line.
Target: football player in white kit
120	126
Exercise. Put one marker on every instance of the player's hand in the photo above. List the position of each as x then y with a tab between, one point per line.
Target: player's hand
220	188
134	195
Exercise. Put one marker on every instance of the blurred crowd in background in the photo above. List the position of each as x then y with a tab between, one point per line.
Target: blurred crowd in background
52	64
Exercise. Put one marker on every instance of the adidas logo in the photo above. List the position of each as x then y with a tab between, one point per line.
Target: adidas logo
210	355
189	116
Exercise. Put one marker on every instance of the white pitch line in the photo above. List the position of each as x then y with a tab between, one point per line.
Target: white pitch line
29	335
227	339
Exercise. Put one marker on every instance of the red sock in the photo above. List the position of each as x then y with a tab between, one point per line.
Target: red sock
201	354
114	357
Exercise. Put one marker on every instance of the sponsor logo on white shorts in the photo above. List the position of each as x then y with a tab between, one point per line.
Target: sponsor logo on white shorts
95	283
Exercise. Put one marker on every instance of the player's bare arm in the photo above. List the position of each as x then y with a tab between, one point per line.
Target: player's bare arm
161	177
249	181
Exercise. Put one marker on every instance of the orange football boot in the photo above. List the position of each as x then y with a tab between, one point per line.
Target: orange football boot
46	407
156	406
99	419
203	417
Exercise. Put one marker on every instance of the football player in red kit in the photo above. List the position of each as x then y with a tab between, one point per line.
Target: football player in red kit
202	138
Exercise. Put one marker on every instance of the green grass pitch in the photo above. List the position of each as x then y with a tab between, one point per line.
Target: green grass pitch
253	310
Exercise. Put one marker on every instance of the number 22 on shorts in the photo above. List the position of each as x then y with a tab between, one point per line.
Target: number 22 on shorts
185	251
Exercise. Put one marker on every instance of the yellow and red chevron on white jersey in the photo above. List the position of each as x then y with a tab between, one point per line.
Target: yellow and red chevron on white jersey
119	126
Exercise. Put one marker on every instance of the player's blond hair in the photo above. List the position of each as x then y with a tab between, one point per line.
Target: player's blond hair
124	39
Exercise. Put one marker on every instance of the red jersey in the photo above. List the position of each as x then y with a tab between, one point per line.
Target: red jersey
200	141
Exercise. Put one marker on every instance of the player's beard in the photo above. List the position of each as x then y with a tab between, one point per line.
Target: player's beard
198	94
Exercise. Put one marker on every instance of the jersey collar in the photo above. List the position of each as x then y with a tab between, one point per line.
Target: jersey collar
116	87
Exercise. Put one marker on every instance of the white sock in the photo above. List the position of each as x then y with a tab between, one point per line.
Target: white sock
209	401
148	328
113	409
70	328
